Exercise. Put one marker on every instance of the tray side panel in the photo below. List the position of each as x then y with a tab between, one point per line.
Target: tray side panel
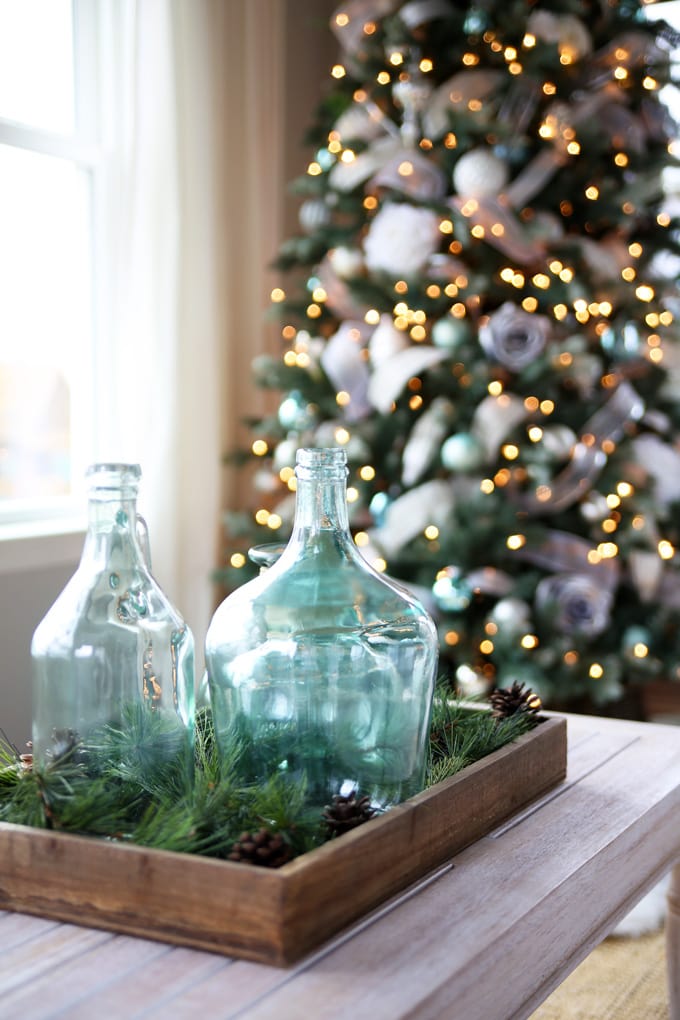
177	898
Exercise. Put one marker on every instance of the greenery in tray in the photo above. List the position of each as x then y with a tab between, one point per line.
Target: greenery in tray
114	791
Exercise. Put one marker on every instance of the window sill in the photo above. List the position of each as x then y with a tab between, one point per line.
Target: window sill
31	545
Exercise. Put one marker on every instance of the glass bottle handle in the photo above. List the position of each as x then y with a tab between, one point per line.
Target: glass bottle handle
142	529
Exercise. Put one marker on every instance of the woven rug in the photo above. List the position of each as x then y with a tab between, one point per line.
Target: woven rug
623	979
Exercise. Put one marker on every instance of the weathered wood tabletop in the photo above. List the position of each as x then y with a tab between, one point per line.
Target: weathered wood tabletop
486	938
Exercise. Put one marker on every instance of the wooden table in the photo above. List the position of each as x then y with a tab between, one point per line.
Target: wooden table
486	938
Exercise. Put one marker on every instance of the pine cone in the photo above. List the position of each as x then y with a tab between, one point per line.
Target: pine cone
347	813
264	848
514	700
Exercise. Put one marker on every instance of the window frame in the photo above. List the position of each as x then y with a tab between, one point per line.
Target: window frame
34	531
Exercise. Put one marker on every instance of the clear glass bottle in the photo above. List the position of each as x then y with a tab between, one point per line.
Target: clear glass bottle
112	651
321	666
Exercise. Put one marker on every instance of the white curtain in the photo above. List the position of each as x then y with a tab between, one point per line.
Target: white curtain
195	209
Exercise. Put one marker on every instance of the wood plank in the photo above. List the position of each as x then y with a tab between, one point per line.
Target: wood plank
673	945
30	959
590	746
246	982
274	916
54	991
18	928
151	988
515	913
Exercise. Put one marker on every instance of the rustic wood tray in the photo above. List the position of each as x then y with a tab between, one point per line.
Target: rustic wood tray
274	916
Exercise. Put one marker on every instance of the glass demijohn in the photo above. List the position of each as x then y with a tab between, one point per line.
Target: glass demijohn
321	667
112	651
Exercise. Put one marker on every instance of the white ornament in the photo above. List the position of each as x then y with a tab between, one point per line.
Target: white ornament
480	174
284	454
401	238
347	262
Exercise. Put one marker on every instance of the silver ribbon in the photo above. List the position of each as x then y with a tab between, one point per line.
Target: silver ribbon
351	35
561	552
588	458
425	180
513	240
417	12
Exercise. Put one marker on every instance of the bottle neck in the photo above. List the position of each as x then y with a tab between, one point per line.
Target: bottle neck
321	506
112	531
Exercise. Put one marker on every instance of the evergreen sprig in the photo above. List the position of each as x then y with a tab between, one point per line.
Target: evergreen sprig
461	735
127	787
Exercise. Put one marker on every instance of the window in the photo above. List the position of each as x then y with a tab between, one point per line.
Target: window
50	162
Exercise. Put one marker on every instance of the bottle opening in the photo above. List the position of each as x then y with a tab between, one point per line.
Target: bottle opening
327	463
114	480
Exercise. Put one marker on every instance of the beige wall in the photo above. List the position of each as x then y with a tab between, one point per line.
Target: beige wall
267	121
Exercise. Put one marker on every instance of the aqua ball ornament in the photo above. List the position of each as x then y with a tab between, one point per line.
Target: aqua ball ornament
462	452
449	333
451	591
294	413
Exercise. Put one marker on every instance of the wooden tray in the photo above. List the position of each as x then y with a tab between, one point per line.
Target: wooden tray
274	916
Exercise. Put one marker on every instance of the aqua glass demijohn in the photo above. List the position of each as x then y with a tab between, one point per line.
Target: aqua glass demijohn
112	653
321	668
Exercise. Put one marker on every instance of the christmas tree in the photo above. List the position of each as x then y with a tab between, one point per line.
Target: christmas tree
484	314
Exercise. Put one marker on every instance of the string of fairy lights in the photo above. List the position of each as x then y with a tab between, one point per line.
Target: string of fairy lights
549	290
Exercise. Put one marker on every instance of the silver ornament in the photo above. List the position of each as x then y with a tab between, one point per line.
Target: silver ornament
314	214
511	613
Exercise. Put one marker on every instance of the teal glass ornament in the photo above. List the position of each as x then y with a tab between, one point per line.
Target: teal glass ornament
462	452
451	590
112	652
450	333
320	667
294	413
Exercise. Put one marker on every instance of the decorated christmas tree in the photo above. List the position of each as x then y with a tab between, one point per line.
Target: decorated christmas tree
483	312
